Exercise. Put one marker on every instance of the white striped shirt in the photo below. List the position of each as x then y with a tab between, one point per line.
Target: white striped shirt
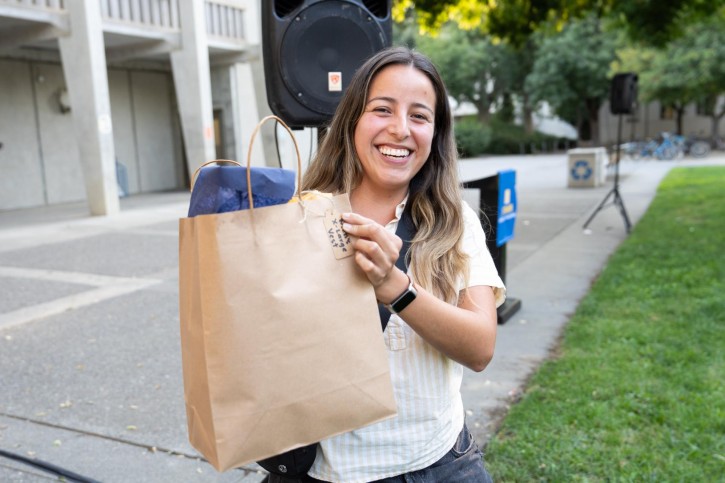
427	387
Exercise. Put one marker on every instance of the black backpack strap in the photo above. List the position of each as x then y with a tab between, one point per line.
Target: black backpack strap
406	231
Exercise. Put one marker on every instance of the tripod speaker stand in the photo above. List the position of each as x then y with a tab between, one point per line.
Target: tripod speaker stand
622	101
614	192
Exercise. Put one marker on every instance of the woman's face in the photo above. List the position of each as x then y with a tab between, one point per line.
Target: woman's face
393	137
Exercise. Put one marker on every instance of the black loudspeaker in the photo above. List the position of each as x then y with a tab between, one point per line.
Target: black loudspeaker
311	49
623	95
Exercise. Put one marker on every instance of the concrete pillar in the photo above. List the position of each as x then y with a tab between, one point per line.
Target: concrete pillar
247	115
84	68
193	86
252	21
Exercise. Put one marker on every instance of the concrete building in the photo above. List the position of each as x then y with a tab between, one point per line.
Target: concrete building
647	122
651	119
104	98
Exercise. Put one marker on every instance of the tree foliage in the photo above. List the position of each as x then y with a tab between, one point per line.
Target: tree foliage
655	22
652	22
475	69
689	69
563	52
431	15
570	73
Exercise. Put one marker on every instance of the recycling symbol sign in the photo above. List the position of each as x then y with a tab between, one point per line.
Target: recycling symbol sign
581	170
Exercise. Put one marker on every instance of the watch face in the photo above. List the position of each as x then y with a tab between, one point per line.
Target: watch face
404	301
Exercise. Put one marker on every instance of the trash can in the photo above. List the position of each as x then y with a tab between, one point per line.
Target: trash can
121	179
587	167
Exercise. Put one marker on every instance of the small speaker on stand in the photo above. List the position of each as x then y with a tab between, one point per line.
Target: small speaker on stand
622	100
312	48
623	93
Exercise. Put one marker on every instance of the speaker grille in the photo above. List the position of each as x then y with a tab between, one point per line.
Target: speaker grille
324	38
379	8
311	50
282	8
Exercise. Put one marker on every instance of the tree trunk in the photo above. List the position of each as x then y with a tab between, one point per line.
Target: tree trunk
484	112
593	115
582	128
528	115
680	110
506	112
715	127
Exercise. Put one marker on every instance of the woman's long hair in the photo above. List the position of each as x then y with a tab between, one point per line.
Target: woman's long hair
434	198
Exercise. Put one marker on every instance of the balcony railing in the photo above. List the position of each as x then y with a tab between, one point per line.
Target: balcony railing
133	28
224	18
155	14
37	4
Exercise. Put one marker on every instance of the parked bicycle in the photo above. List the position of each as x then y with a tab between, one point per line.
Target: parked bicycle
663	148
693	146
666	147
718	143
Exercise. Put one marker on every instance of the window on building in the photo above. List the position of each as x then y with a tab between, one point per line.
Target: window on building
218	134
667	112
705	106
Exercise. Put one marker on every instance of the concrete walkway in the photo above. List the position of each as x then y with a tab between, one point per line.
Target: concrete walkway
89	346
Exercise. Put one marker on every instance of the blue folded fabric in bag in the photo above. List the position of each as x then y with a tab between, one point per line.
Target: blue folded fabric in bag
219	189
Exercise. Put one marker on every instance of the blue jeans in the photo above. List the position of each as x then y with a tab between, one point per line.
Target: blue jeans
462	464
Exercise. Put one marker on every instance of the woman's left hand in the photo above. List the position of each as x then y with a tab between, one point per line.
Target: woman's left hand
376	251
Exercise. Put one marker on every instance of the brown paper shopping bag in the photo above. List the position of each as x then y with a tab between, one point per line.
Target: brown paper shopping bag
280	333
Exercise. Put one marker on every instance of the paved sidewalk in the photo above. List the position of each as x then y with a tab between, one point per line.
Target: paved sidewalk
89	346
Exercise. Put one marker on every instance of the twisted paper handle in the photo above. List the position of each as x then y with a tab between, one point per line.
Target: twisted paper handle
217	161
249	156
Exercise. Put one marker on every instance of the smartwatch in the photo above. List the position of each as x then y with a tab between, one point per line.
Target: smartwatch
404	299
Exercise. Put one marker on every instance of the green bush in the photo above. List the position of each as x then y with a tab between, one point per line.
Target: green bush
472	137
508	139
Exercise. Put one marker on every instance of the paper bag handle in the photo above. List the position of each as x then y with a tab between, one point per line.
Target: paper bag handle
196	173
249	157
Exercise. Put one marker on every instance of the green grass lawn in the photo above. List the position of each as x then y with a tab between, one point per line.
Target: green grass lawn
636	391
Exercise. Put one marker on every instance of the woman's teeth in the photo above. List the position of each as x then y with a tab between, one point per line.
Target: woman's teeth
398	153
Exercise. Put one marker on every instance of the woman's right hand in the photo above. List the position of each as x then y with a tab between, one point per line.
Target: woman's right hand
376	251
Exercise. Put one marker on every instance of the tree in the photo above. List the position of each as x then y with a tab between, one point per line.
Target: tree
431	15
520	63
490	77
570	73
472	66
689	69
704	46
669	79
656	23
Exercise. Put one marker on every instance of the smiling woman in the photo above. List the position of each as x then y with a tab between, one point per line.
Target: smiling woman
391	146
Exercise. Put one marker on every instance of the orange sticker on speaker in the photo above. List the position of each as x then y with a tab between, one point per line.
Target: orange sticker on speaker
334	81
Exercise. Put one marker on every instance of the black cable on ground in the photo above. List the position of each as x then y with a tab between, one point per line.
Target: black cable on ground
51	468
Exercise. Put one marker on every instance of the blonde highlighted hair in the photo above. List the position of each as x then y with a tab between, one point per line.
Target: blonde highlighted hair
434	199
